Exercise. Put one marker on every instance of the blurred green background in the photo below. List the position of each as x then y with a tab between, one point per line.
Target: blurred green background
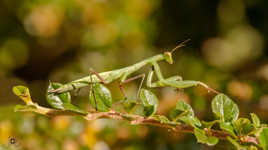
59	40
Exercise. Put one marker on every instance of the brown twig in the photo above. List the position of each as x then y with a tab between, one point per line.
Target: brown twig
137	120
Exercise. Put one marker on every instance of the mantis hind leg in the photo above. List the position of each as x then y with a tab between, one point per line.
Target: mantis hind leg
97	75
161	80
91	85
93	91
129	80
122	90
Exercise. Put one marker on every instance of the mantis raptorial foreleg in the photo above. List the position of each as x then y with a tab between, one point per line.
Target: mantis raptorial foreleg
151	84
174	81
161	80
159	75
142	76
157	71
92	89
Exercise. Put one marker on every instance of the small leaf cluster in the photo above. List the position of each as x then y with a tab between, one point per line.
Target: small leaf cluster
62	101
239	131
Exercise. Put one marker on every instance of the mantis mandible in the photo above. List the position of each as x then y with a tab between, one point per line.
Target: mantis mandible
123	73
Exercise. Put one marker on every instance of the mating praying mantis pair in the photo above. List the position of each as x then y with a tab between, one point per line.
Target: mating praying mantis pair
122	74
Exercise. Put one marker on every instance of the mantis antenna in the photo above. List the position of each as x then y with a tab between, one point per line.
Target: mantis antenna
180	45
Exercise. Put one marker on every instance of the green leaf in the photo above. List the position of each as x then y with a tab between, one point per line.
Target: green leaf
149	110
227	126
243	126
138	110
161	118
263	138
224	108
191	120
174	114
24	108
209	124
203	138
103	97
56	100
184	107
149	101
252	147
62	101
185	113
129	105
132	107
23	93
70	107
255	120
236	144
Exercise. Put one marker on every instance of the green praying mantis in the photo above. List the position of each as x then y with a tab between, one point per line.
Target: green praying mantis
58	95
123	73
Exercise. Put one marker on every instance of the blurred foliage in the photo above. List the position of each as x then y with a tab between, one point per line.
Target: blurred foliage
59	40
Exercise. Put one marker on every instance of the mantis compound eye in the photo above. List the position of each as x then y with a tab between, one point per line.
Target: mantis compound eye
168	57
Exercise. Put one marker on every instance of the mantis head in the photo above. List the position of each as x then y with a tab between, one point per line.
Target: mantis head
168	55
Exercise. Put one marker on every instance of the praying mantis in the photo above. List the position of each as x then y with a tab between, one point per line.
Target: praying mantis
123	73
